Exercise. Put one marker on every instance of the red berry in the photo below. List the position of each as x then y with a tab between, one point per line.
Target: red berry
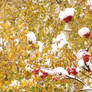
69	71
42	76
86	57
67	19
36	71
45	74
55	78
87	35
74	71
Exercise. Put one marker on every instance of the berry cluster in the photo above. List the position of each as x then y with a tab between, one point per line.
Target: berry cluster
86	57
72	70
41	74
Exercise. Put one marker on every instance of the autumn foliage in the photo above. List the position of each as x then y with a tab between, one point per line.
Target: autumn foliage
41	51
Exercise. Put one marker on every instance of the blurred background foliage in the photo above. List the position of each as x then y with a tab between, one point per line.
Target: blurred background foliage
17	18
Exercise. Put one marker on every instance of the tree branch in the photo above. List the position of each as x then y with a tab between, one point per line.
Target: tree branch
89	47
72	77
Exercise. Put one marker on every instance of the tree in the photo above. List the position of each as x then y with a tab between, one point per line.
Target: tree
42	47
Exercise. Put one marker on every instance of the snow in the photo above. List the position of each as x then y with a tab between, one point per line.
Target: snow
81	63
60	37
83	31
78	69
31	37
60	41
80	53
66	12
57	70
89	2
15	83
54	48
40	46
47	62
60	70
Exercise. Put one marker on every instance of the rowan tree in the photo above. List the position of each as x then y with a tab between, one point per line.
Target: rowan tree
45	45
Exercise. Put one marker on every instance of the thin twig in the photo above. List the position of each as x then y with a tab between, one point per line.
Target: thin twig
87	67
75	79
89	47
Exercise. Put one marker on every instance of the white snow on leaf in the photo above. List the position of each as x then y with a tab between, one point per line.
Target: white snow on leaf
81	63
66	12
57	70
89	2
60	37
60	70
15	83
31	37
83	31
54	48
69	11
47	62
69	1
80	53
62	43
60	40
78	69
40	46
